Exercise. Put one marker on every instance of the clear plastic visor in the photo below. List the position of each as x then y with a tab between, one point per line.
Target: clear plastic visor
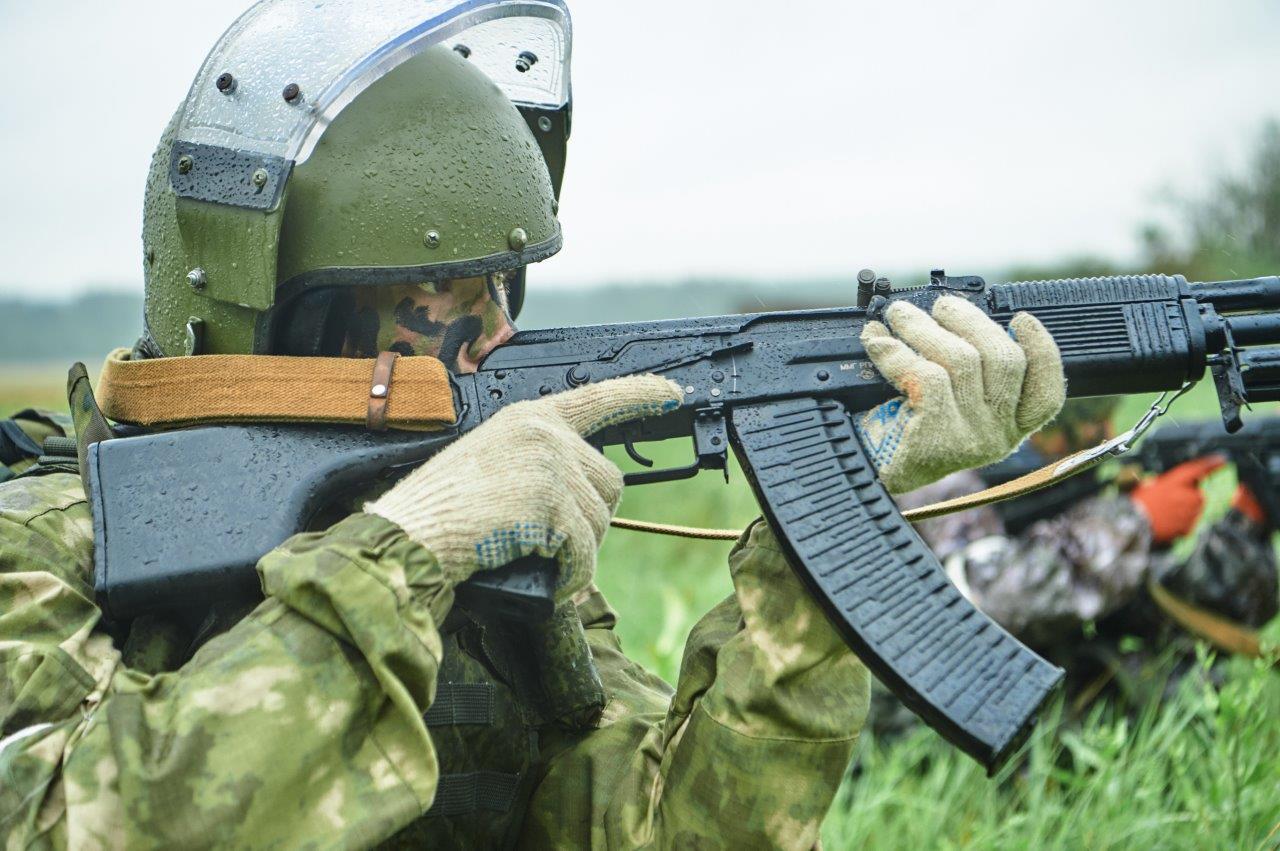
285	68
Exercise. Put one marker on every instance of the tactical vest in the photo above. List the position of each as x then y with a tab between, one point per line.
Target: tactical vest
34	439
499	685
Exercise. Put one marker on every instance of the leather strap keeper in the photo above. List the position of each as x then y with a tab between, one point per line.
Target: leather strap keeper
380	391
181	391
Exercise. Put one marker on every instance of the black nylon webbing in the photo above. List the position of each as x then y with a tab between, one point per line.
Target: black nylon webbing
461	703
462	794
15	444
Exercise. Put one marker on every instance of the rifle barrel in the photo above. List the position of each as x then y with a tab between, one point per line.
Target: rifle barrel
1261	371
1253	329
1244	294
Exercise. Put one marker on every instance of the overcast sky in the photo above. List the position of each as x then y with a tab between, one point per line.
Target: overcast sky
707	141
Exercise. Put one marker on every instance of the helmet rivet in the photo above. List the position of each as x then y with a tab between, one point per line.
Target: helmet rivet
517	239
292	93
185	163
462	50
225	83
197	279
525	61
260	178
544	124
432	239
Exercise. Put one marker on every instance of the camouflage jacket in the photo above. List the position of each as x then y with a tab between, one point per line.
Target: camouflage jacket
310	722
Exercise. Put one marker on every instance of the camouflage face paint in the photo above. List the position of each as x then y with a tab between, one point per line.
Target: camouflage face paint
459	321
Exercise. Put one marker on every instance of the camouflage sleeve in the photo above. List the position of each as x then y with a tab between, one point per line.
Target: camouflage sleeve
302	724
748	752
1061	572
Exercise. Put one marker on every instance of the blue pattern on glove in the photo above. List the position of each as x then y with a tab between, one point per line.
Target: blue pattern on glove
881	430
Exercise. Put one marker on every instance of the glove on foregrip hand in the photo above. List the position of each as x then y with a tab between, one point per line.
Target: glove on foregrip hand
526	483
971	391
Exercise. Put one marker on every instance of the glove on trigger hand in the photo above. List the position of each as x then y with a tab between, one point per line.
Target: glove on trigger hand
1172	501
971	390
526	483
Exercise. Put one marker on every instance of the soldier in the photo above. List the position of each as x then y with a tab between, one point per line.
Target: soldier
358	702
1082	571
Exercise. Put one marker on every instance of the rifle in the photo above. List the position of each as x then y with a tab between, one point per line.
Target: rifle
184	515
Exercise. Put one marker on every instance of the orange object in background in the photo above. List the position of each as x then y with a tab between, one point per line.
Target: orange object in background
1247	504
1172	501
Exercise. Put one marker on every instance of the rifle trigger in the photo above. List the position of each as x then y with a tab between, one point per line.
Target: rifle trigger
710	452
636	456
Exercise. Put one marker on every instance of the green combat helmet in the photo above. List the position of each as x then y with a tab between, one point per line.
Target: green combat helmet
346	144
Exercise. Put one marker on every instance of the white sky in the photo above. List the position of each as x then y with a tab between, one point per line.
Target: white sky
813	141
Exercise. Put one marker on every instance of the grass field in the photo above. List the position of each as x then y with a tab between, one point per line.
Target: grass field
1201	770
40	385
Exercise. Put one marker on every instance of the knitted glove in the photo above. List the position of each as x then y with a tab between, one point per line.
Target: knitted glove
526	483
972	392
1172	501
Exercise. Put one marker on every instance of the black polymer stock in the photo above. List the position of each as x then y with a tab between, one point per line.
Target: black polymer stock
181	517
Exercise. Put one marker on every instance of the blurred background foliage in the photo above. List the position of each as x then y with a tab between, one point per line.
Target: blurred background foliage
1198	769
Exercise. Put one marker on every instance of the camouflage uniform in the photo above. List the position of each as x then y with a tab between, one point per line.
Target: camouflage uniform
311	723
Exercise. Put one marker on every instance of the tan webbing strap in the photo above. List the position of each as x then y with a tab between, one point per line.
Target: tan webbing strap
169	392
1221	632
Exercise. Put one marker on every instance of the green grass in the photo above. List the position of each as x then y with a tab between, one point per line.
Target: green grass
1198	771
1201	770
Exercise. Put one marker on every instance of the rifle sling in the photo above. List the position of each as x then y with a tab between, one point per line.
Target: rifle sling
182	391
1047	476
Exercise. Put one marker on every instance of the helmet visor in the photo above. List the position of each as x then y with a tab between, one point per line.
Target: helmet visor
285	68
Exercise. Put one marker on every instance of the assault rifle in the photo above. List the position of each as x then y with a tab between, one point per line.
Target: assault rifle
184	515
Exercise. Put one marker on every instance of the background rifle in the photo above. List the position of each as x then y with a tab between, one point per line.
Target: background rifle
181	517
1253	449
